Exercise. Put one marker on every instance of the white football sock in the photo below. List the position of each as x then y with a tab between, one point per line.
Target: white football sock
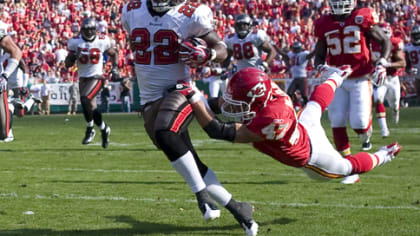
28	104
90	123
215	188
188	169
102	126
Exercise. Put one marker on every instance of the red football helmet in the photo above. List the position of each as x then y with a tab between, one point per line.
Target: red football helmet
247	92
386	27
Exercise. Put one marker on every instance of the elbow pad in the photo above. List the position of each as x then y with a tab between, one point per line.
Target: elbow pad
220	130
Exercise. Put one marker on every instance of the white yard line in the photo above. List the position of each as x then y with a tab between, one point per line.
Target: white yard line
279	204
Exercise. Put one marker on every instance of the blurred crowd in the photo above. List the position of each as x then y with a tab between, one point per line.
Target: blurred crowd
42	28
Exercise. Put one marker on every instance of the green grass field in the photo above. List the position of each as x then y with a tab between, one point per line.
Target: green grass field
131	189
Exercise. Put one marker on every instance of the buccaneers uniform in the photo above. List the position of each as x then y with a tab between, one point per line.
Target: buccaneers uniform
158	30
412	53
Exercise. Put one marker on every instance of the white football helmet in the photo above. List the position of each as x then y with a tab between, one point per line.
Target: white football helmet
164	5
341	7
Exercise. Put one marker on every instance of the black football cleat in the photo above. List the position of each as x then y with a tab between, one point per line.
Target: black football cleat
105	136
90	134
207	206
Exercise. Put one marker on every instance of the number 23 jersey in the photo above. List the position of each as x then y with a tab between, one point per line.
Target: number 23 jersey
155	43
346	40
90	61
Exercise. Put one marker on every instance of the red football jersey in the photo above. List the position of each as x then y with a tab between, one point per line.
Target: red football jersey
284	138
346	40
397	44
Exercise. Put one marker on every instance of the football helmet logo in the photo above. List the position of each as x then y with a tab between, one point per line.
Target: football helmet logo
341	7
386	27
248	91
242	25
415	35
88	29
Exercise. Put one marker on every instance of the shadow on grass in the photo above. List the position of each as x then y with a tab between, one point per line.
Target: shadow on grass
146	228
164	182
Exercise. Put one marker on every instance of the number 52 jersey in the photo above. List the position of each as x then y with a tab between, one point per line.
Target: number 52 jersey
155	42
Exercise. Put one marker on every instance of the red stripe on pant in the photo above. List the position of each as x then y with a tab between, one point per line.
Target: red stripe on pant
182	116
95	90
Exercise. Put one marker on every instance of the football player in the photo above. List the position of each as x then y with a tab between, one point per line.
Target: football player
21	99
170	37
391	87
7	45
297	60
343	37
246	46
412	54
268	120
87	49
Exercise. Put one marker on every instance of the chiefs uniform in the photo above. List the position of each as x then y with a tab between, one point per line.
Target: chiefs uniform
347	44
391	89
247	51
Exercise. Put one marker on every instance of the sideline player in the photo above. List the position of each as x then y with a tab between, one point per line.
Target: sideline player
297	60
246	47
160	61
391	88
7	46
268	121
412	54
87	49
343	38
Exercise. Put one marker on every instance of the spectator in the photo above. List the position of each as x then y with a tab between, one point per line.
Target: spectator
45	96
125	87
73	95
105	95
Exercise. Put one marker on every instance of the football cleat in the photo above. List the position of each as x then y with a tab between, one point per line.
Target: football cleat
207	206
105	136
9	138
18	104
36	99
396	117
351	179
90	134
385	133
242	211
392	151
366	146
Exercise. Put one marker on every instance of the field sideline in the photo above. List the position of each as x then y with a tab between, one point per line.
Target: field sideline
131	189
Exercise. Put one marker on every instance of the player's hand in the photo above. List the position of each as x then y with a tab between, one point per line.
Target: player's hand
414	71
383	61
115	75
379	76
205	72
194	53
264	67
3	83
185	89
326	71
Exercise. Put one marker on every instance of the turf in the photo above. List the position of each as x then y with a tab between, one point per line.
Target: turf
131	189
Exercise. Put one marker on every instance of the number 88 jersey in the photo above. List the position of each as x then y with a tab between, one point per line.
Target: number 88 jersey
247	51
155	43
346	40
90	54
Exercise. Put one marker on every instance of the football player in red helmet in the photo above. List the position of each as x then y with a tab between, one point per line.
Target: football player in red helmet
268	120
391	89
343	38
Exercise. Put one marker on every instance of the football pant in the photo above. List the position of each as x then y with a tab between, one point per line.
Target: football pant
5	116
88	89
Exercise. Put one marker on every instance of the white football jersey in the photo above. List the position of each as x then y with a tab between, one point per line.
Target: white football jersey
90	60
16	78
247	51
413	53
155	42
298	63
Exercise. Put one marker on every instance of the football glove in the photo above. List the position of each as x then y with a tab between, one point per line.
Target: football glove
414	71
263	67
193	52
3	83
225	74
185	89
326	71
379	76
383	61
